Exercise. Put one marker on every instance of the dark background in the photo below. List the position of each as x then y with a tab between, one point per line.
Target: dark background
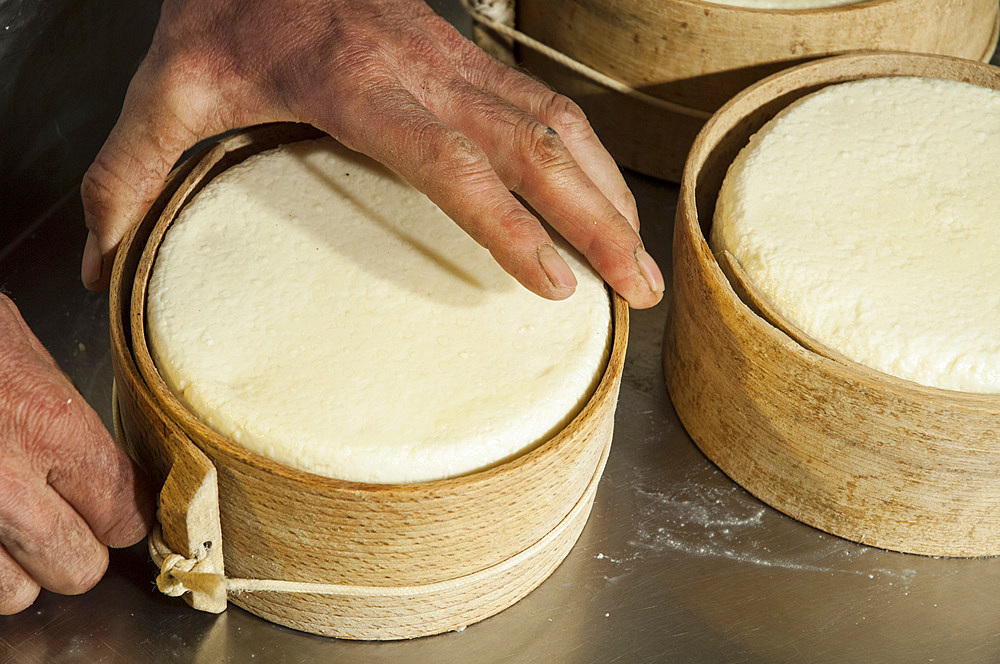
64	69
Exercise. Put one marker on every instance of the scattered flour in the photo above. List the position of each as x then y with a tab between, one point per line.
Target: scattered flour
702	516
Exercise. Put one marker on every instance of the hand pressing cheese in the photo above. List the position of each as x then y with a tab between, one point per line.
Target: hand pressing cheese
867	213
317	310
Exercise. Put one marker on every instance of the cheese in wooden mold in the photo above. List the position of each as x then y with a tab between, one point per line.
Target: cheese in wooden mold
317	310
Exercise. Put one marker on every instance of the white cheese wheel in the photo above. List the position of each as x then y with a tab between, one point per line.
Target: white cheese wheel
317	310
867	214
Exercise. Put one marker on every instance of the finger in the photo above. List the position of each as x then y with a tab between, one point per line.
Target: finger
574	129
547	106
18	590
45	536
65	442
82	463
531	159
456	174
99	480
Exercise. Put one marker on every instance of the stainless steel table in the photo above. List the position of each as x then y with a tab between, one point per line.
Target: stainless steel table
677	563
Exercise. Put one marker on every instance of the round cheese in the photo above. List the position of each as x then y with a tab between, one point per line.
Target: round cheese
317	310
867	214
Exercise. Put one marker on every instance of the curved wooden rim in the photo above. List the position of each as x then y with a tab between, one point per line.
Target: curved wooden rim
788	85
825	11
605	391
821	13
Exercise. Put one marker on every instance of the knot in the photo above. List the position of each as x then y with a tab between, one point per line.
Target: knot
179	575
169	584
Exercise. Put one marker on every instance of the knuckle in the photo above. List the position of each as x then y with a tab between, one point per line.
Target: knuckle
448	157
17	482
628	201
356	81
358	57
540	144
416	45
463	52
354	50
609	257
517	227
97	190
120	174
124	529
564	115
178	67
627	207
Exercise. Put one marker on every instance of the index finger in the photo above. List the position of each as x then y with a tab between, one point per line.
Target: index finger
96	477
532	160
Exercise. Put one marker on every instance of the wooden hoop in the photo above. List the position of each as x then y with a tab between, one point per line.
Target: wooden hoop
699	54
854	452
281	523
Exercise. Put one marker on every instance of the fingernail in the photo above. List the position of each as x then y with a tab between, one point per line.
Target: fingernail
649	270
90	269
559	273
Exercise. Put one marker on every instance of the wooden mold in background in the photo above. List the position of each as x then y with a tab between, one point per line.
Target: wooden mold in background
696	55
852	451
461	549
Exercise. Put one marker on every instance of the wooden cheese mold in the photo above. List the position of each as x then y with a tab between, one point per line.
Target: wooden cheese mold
852	451
343	559
697	55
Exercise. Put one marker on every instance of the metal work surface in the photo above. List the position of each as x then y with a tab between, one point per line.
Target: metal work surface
677	563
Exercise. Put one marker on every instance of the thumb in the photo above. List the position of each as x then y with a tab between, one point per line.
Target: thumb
129	172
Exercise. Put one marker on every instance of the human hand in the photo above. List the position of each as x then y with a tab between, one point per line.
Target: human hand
391	79
67	492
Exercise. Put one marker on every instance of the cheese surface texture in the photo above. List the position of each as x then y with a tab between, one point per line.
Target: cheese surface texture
868	213
317	310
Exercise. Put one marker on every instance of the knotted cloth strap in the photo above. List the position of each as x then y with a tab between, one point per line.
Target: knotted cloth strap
179	575
481	13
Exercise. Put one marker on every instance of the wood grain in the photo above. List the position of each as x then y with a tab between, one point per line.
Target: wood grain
867	456
188	507
282	523
700	54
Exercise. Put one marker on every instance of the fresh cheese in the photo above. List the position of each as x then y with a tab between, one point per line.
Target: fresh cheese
317	310
868	214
